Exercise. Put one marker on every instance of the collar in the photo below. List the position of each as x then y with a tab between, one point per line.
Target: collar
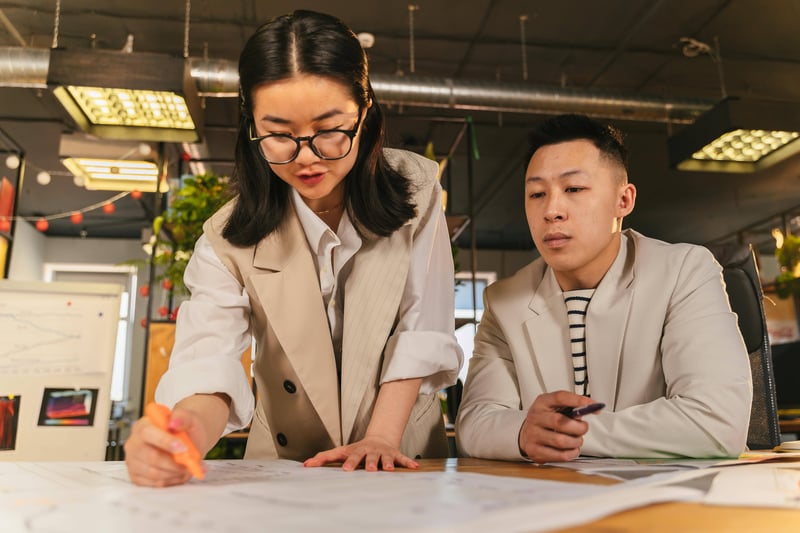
317	232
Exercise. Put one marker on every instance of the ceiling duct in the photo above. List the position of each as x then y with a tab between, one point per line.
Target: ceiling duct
24	67
529	98
27	67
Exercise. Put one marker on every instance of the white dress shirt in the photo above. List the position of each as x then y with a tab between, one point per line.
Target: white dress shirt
422	345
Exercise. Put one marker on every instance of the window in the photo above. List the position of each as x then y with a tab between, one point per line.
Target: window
468	316
121	275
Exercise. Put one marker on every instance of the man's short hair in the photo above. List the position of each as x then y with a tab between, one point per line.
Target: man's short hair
564	128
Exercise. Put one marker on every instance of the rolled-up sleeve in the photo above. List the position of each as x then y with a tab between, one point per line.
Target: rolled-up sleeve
212	333
423	344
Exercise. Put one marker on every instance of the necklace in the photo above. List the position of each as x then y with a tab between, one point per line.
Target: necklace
331	210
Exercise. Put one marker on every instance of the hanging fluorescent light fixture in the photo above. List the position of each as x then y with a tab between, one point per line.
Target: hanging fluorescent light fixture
110	165
738	136
116	174
127	96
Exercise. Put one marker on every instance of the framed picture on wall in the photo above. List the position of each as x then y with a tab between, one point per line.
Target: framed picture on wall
7	195
12	158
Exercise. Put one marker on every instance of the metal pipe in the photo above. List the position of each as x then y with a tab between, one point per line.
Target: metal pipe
26	67
527	98
215	77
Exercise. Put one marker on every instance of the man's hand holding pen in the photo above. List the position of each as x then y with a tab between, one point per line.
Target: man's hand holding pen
551	432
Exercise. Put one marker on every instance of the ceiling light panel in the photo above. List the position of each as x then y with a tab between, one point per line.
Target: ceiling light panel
738	135
124	107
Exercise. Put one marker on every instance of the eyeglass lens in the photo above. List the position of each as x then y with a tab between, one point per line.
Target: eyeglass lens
326	144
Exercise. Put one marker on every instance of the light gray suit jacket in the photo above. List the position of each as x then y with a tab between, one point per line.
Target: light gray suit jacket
300	410
664	354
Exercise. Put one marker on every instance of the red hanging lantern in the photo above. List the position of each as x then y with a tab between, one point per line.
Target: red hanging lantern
109	208
166	284
163	311
174	314
144	322
136	194
42	225
144	290
76	217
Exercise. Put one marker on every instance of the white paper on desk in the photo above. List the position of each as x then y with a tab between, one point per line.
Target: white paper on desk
634	469
629	469
761	485
284	496
567	513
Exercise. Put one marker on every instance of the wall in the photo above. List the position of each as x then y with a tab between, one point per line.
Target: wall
27	259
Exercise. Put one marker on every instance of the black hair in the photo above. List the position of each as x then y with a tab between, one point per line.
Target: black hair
571	127
377	198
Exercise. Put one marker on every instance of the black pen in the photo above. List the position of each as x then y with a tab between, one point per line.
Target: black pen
575	412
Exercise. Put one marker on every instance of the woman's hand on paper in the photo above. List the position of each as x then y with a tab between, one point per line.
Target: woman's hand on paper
373	451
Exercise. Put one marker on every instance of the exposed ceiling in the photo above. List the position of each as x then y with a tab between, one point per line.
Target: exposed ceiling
632	49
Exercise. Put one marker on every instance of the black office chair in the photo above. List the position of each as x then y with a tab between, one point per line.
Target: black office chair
743	286
453	400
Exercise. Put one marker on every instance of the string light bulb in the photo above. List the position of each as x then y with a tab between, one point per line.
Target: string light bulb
43	178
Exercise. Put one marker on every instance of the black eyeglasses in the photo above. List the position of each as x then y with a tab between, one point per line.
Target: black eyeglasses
282	148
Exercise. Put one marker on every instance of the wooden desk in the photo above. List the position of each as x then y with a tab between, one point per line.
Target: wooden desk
790	425
665	517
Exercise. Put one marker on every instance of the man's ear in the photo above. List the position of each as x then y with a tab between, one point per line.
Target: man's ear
626	199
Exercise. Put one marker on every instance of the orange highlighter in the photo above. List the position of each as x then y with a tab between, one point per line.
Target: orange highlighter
159	415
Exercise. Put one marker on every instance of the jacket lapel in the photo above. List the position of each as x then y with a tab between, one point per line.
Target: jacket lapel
548	334
373	291
289	291
606	323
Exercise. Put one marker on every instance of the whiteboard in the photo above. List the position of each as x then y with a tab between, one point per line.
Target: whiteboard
57	343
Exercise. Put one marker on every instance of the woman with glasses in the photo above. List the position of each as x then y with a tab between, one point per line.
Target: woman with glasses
334	257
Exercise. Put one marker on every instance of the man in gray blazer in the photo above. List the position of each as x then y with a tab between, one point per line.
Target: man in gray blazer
603	316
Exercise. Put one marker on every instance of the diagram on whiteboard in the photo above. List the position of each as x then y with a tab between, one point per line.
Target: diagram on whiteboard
57	345
47	339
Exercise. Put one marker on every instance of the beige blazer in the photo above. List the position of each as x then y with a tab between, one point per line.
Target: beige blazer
300	411
664	354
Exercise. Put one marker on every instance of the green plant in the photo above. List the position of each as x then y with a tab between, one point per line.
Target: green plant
227	448
176	231
788	256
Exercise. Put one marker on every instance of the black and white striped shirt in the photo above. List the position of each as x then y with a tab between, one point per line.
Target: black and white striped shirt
577	302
